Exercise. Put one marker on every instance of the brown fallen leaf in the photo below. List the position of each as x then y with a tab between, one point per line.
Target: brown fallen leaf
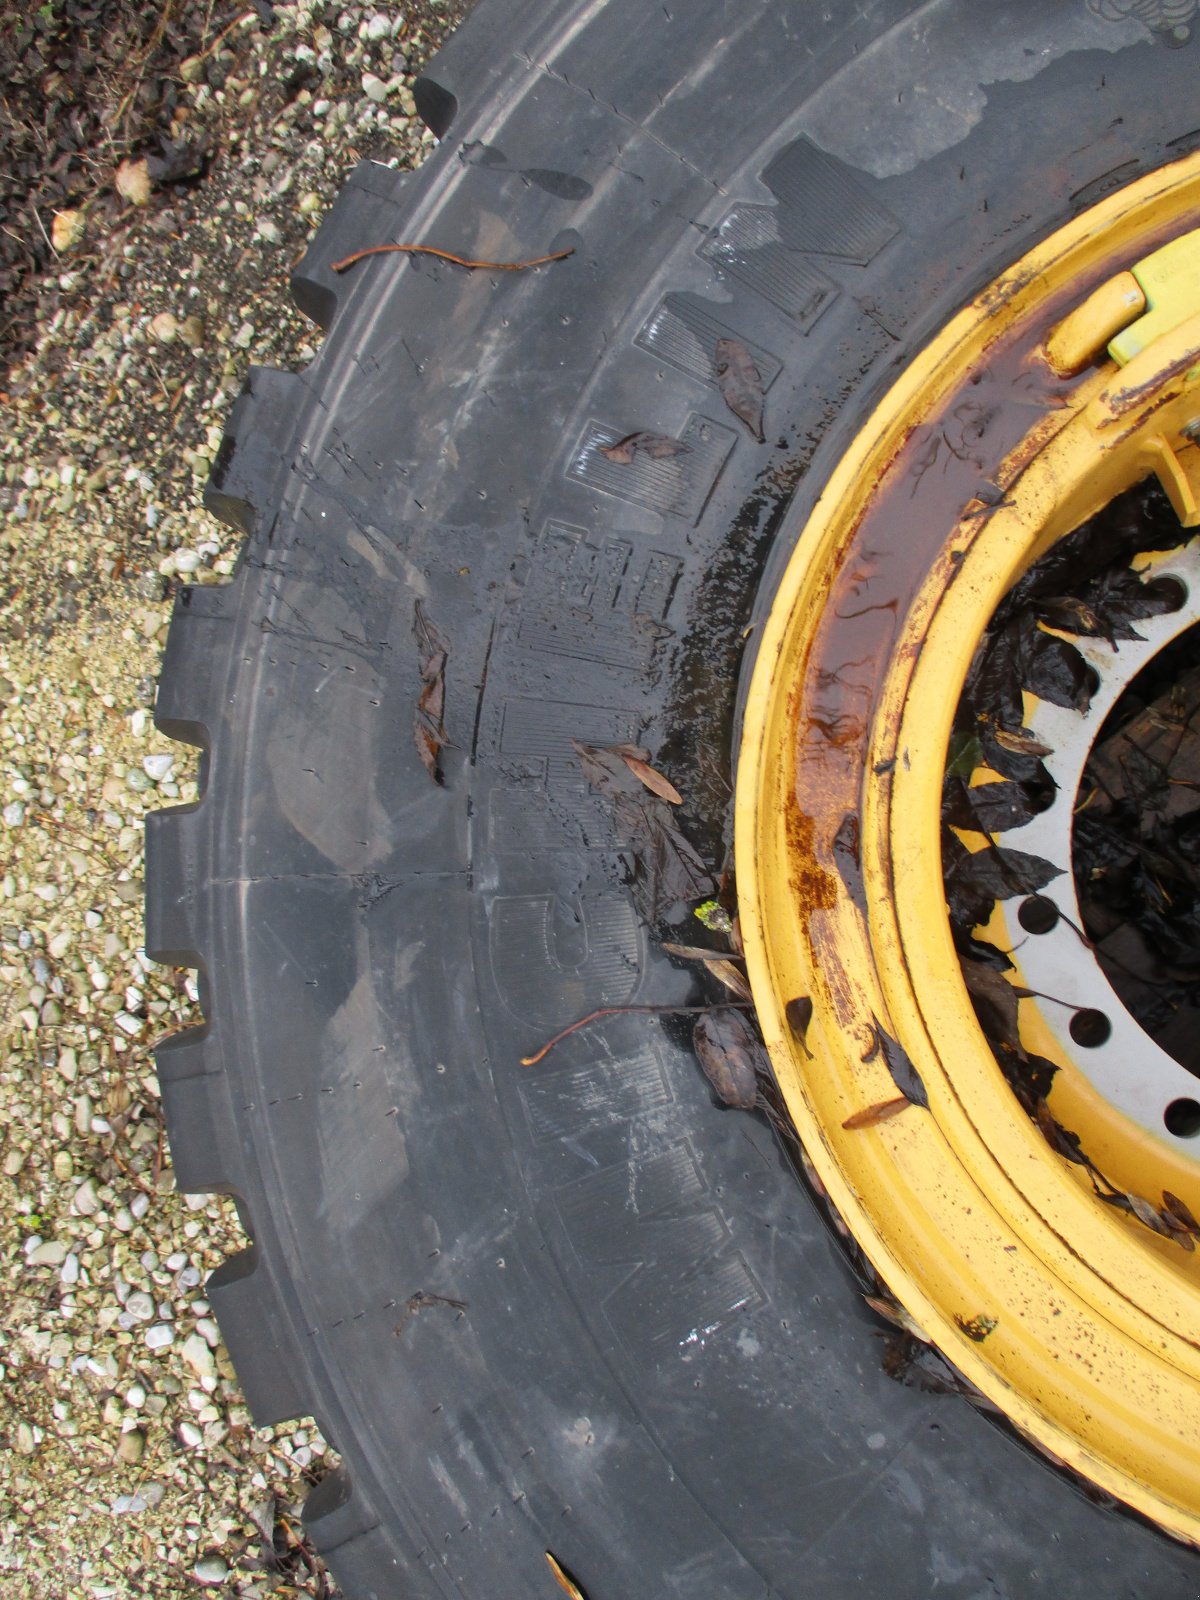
730	1056
655	445
132	182
882	1111
668	868
66	229
904	1074
1057	1137
996	1003
720	966
728	974
1020	743
692	952
418	1302
564	1580
429	729
740	384
1179	1233
1148	1215
799	1014
892	1311
654	781
1176	1208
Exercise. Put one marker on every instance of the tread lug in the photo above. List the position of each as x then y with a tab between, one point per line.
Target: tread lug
173	868
254	1326
336	1512
364	213
188	705
253	453
462	69
191	1076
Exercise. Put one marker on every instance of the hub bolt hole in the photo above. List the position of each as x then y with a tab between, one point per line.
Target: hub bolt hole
1182	1118
1037	914
1172	591
1092	1029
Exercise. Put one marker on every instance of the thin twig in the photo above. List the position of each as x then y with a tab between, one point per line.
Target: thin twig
446	255
618	1011
246	16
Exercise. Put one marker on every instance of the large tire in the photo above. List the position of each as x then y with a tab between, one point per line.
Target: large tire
660	1370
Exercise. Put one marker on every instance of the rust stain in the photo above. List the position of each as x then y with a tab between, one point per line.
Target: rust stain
814	886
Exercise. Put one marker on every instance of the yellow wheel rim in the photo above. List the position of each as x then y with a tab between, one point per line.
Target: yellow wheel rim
1082	1327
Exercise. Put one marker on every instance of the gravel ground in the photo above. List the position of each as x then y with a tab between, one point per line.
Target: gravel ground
131	1464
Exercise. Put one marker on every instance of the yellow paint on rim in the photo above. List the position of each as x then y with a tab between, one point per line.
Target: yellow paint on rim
963	1208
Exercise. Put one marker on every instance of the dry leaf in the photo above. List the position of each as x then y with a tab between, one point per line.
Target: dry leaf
799	1014
668	868
653	780
66	229
730	1056
1176	1208
729	975
904	1075
655	445
564	1580
1021	743
133	182
1148	1215
690	952
740	384
892	1311
882	1111
429	730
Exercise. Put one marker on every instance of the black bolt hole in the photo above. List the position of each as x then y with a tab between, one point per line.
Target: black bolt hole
1171	591
1037	914
1090	1029
1182	1118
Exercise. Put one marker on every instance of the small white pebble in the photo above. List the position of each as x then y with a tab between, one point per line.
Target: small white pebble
208	1329
51	1254
129	1505
159	1336
197	1354
140	1306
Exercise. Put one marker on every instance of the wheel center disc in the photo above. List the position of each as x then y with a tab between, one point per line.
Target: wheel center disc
1078	1012
1070	1315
